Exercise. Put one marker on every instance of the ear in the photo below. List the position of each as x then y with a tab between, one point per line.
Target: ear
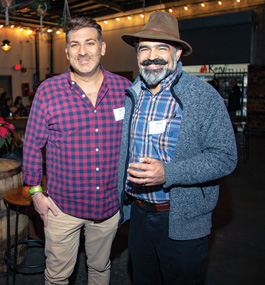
66	52
103	48
179	52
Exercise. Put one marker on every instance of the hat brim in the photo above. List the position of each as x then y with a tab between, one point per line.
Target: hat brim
130	39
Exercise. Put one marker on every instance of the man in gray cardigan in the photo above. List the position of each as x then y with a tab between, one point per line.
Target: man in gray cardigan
177	142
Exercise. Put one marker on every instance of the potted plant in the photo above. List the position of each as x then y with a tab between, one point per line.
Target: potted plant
10	143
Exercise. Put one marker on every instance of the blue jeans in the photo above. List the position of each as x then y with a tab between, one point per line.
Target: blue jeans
157	259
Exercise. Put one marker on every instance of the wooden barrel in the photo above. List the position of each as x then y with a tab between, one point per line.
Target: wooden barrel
10	177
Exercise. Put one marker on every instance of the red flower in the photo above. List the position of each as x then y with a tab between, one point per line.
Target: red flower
5	128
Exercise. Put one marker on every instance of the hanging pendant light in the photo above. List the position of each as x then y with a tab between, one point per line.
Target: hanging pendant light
66	15
41	11
6	4
6	45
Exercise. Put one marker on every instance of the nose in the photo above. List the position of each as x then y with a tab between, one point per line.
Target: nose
152	54
82	50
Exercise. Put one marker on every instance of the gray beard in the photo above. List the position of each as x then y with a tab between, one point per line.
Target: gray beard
153	77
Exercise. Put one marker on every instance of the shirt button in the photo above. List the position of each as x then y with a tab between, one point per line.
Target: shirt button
95	111
83	95
96	130
146	141
97	149
97	169
97	187
153	99
73	82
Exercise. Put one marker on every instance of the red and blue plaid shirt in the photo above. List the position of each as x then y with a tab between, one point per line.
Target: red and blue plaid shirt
82	144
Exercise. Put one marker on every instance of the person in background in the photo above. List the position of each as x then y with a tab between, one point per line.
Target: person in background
220	87
21	109
78	116
6	112
179	141
234	98
214	82
3	100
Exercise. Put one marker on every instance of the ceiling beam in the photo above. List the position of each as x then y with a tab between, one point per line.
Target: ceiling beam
30	21
110	4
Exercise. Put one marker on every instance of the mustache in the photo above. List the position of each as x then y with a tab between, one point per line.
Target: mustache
83	57
157	61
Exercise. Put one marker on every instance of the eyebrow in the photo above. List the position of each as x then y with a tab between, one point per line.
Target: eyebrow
87	40
157	46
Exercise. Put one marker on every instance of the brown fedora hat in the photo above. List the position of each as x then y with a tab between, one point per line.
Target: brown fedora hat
161	26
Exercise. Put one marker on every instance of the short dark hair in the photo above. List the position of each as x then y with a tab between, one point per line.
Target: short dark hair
83	22
17	100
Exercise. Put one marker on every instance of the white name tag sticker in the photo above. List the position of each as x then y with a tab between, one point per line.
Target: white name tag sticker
119	113
157	127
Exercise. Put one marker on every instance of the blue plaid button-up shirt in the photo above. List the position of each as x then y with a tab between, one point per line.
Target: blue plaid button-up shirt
154	133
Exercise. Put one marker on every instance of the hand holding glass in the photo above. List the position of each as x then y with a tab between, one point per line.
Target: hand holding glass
136	167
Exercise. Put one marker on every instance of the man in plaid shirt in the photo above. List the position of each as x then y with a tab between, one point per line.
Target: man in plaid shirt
78	116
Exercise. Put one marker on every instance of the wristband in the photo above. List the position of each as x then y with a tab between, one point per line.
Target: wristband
36	193
35	189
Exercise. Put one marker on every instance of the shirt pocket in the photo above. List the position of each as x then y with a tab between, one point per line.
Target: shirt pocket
165	143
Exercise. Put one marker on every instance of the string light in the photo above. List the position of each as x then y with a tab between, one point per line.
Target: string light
21	29
170	10
58	32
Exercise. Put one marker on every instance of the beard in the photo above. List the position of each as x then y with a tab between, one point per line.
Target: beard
153	77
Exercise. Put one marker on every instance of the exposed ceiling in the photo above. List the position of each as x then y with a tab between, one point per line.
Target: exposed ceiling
24	11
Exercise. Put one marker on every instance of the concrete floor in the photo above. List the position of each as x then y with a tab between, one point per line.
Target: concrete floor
237	242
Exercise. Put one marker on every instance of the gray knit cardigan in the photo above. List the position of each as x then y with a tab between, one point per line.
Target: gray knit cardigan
205	151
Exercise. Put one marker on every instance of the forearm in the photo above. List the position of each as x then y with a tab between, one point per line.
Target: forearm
199	169
35	139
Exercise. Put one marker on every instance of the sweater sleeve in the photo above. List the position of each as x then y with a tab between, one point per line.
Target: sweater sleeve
206	147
